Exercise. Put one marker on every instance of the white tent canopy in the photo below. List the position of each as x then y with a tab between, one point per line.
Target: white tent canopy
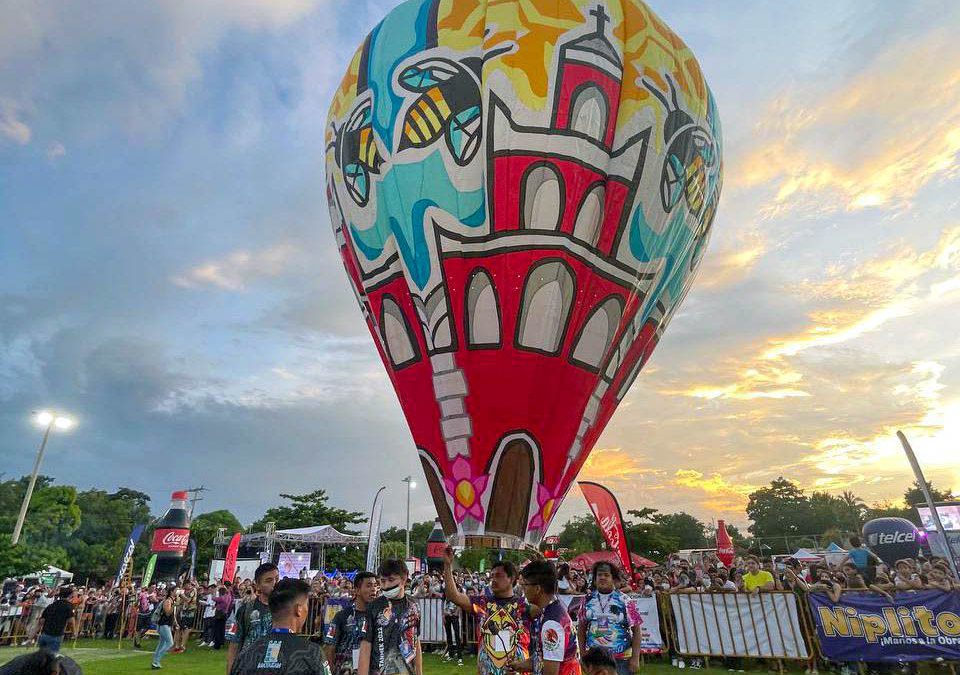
64	575
316	534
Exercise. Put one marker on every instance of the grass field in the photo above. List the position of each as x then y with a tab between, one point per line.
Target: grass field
101	657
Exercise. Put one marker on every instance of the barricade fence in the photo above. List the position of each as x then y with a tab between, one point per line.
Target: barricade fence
859	626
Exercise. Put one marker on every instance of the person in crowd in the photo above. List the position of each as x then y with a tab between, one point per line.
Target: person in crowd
166	619
55	621
41	662
607	620
756	579
553	643
187	616
906	577
343	635
598	661
223	606
939	578
253	619
451	630
208	603
282	650
863	558
390	642
503	622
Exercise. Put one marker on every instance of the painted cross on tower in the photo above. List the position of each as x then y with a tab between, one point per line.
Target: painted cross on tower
602	18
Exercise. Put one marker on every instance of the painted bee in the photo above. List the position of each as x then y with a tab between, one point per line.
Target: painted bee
357	154
448	106
689	156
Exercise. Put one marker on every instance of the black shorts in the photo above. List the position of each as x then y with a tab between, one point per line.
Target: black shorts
187	620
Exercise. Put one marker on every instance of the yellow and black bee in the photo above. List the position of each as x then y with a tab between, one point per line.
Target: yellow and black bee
690	154
448	106
357	153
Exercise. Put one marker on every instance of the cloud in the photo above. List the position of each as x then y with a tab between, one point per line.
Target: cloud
733	262
117	65
872	139
722	495
55	151
12	127
236	270
605	464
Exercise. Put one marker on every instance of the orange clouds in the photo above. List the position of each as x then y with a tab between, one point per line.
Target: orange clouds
606	464
874	140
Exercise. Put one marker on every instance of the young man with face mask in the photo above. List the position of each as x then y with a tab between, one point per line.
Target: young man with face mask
253	617
606	620
281	650
503	630
553	643
391	637
343	636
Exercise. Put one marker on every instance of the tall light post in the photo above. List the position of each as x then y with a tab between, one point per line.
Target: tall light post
411	484
49	420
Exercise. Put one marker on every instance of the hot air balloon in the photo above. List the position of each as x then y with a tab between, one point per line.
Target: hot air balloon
521	199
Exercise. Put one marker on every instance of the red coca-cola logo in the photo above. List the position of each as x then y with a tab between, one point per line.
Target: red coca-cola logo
435	549
170	541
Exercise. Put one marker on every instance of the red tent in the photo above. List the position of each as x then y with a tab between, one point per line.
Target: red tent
585	561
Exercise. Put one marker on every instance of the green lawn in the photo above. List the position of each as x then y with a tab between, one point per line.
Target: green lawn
101	657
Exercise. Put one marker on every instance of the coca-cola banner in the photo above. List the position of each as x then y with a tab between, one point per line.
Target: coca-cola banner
607	512
170	541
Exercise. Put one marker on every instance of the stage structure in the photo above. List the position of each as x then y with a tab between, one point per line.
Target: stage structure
267	541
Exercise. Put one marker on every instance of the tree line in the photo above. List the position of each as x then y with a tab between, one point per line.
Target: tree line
85	531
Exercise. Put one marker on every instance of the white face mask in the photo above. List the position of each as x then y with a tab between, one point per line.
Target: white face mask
391	593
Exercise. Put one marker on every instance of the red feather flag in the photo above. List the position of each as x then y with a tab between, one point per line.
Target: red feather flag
607	512
230	564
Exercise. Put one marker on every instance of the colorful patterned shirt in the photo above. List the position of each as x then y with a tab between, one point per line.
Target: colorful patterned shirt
503	632
608	620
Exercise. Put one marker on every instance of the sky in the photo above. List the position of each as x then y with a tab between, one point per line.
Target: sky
169	275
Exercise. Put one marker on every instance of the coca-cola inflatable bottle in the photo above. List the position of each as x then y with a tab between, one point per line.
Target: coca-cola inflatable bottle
436	545
171	538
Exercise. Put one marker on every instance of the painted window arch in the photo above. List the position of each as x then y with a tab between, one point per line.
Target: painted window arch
597	333
589	112
545	309
542	198
590	216
482	320
400	343
618	354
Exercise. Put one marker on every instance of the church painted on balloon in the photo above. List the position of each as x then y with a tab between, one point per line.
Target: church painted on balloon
510	367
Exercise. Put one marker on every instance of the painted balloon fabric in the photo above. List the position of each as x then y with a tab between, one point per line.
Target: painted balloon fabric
521	191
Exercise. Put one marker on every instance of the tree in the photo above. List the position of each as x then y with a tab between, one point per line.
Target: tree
53	516
688	531
419	532
781	510
309	509
106	520
914	495
581	535
204	530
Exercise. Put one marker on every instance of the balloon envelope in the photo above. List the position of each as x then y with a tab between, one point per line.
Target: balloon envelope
891	539
521	199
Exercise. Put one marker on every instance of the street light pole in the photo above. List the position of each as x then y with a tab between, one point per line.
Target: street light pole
410	485
33	481
407	481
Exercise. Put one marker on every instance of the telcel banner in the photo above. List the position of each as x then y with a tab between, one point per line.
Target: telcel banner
916	626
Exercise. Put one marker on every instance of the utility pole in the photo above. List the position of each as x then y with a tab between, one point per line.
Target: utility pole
195	498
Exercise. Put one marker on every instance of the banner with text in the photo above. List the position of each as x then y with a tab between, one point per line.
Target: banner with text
915	626
765	625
